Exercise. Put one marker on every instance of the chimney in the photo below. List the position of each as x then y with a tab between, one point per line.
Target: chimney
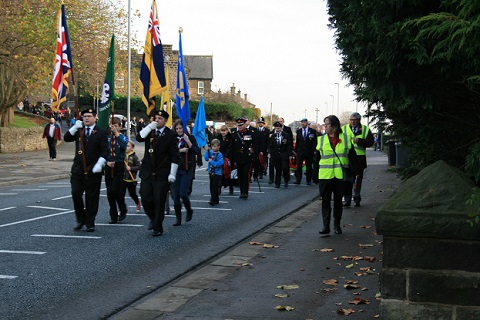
239	94
232	89
245	96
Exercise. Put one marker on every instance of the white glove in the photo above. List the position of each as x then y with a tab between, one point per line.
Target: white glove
145	131
173	173
98	167
78	125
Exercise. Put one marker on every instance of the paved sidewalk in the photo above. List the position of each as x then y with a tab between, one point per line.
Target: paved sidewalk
332	275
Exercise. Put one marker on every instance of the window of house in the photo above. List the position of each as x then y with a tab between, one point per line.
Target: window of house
201	87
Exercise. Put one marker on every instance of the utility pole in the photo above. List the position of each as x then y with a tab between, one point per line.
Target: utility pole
316	115
338	98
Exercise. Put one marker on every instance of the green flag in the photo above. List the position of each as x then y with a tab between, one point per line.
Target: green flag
108	92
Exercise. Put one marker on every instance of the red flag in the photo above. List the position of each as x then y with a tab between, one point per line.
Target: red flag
63	62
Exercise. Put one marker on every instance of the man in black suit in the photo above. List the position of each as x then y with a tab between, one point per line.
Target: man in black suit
158	169
264	134
91	152
280	152
305	144
287	130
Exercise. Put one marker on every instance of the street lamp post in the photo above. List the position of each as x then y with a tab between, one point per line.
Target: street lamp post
333	103
326	107
338	98
316	115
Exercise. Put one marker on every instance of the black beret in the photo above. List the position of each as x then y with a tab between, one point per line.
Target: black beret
89	110
162	113
277	124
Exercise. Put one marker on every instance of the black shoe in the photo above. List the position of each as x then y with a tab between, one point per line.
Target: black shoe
357	204
90	229
157	233
189	215
113	222
122	216
243	196
325	231
337	229
211	203
178	222
296	182
79	226
277	186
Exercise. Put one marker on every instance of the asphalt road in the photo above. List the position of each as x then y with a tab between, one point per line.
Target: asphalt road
48	271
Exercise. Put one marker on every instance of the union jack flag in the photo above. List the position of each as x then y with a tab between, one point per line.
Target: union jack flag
63	62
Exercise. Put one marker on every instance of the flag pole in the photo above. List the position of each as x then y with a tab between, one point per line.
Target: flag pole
128	74
80	131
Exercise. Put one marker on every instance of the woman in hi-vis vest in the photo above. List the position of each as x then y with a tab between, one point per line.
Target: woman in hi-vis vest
332	148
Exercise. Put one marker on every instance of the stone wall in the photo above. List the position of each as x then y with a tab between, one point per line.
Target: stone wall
14	140
431	268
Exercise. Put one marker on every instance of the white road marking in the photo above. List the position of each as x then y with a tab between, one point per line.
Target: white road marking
64	197
29	189
2	276
22	252
64	236
9	208
8	194
119	224
215	209
205	201
33	219
48	208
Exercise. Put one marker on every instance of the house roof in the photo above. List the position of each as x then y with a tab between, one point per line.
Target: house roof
201	67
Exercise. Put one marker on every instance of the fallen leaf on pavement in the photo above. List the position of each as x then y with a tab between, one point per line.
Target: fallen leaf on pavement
351	281
358	301
345	311
359	274
269	246
351	286
288	286
332	282
255	243
246	264
326	250
329	289
284	308
349	266
282	295
366	245
365	227
369	259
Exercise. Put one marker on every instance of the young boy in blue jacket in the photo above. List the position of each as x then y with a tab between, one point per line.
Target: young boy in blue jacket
215	169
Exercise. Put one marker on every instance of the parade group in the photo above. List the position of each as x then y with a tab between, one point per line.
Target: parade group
331	156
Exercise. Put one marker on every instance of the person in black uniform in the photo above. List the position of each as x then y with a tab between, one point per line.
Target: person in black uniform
280	152
285	129
305	145
244	149
158	169
91	152
263	134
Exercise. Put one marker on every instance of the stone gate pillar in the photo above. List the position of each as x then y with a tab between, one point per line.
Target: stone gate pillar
431	264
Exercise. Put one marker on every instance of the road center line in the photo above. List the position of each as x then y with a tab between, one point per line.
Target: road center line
48	208
64	236
33	219
22	252
2	276
3	209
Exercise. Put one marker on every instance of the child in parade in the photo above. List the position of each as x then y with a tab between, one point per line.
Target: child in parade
215	169
132	165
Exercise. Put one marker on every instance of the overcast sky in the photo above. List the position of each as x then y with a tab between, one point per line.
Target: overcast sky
278	52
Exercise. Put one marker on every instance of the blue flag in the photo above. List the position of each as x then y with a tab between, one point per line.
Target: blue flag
200	125
181	99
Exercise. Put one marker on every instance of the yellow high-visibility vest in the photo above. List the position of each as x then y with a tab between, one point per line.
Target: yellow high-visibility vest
330	166
360	151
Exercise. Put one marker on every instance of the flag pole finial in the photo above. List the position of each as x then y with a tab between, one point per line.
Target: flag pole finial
180	30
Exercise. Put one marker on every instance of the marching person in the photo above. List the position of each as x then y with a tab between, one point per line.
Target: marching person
225	138
114	171
288	130
158	169
188	149
362	138
244	149
132	165
333	148
91	152
305	151
263	133
53	133
280	152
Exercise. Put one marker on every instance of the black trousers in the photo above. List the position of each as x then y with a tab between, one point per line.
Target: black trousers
131	186
282	168
154	194
91	187
308	168
52	147
215	181
327	188
115	190
243	170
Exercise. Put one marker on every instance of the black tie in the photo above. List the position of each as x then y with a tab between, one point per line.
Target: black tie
278	138
304	133
158	133
87	133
